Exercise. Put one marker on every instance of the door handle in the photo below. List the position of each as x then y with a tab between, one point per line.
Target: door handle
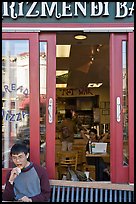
50	110
118	109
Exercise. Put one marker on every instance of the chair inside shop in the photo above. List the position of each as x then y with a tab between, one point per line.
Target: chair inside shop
81	159
66	159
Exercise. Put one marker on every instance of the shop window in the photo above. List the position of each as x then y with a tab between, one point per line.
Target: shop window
125	102
43	68
15	95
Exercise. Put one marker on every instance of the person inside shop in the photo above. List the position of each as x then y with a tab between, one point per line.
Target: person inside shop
104	136
77	121
93	137
27	181
68	129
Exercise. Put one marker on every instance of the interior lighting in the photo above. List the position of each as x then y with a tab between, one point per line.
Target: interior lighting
94	85
90	62
61	85
80	37
92	58
63	50
61	72
98	47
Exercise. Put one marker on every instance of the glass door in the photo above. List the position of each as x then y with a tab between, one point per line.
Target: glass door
27	96
47	46
122	107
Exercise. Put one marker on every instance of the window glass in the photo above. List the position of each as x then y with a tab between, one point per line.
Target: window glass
15	95
125	102
43	63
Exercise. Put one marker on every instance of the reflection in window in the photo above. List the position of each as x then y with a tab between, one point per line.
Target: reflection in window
15	95
125	102
43	62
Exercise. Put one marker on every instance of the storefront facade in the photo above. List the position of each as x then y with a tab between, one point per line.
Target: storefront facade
29	39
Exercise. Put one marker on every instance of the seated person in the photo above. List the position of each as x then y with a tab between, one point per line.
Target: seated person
104	172
103	137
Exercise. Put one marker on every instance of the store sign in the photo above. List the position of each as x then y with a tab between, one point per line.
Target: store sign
77	11
67	92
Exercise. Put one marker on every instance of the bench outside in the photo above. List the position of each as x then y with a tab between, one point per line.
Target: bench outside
77	191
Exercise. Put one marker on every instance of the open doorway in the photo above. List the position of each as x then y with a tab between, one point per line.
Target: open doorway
82	85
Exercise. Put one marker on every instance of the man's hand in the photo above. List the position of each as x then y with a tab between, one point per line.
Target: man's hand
25	199
13	175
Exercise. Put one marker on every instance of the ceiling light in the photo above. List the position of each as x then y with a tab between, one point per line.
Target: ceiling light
63	50
61	72
80	37
92	58
94	85
92	51
61	85
90	62
98	49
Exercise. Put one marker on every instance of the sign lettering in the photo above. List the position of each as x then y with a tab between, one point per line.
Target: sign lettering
14	87
15	10
74	92
11	117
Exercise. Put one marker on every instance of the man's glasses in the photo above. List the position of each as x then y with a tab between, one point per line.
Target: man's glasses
19	157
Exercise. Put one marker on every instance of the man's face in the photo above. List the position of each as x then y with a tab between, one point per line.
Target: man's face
20	159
